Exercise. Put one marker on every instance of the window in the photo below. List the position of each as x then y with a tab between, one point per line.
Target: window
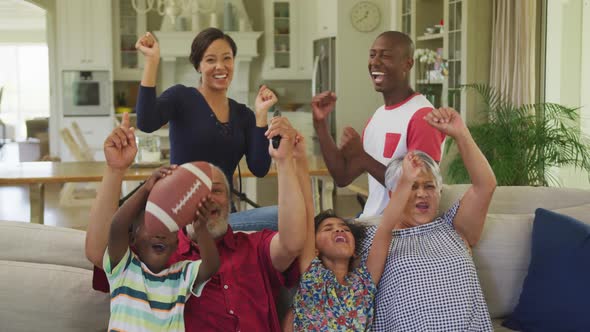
24	74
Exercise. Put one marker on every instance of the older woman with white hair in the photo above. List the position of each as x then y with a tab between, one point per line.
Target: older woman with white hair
430	282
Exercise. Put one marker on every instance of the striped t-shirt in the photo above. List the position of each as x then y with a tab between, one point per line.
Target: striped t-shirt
144	301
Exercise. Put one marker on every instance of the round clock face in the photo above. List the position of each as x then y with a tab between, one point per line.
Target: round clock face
365	16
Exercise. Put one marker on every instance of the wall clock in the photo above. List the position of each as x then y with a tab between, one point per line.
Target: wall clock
365	16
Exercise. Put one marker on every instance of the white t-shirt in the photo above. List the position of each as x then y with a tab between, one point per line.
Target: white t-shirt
390	133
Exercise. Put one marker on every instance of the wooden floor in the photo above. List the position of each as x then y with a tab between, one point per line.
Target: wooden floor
14	206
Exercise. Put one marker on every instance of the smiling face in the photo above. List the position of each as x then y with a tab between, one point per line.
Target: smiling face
422	206
154	250
217	65
334	239
218	219
390	62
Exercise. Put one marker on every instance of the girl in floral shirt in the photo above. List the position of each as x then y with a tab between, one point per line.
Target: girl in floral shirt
334	294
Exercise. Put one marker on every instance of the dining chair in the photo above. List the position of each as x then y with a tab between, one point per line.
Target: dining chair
74	194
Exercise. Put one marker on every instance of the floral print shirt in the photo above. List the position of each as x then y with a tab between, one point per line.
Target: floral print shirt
323	304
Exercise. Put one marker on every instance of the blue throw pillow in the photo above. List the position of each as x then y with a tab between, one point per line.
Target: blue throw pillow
556	292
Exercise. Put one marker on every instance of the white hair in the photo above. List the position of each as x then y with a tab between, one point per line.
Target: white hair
226	183
394	170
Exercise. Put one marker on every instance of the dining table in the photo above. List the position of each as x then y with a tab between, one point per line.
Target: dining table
39	173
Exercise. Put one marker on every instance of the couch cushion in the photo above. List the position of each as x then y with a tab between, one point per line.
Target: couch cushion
45	297
25	242
556	292
581	212
502	258
521	199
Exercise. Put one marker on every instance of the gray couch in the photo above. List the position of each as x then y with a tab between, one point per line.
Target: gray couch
45	279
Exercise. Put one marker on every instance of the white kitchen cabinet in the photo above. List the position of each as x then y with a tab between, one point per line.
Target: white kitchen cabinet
128	25
84	34
327	18
289	39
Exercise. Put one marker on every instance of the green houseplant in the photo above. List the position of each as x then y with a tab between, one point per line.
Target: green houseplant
524	143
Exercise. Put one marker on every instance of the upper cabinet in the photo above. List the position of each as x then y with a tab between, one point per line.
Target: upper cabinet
128	25
327	18
84	34
289	37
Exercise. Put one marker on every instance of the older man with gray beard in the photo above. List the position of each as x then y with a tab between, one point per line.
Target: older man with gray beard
254	266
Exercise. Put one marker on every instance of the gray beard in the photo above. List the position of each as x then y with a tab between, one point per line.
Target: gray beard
216	227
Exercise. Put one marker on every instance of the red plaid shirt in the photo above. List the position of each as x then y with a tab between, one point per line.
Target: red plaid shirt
242	295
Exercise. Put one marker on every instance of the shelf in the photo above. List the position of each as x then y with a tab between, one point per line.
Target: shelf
120	115
430	37
429	83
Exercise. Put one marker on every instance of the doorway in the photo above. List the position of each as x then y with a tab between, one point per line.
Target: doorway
24	81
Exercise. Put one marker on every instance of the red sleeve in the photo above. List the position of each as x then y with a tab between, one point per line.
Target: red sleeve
99	280
423	137
290	277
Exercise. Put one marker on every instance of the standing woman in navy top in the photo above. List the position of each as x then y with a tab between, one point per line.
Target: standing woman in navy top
204	124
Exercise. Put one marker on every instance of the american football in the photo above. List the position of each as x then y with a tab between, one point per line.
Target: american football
173	201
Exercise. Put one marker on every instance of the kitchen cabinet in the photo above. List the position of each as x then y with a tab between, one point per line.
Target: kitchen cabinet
128	25
468	51
418	19
327	18
289	38
465	49
84	34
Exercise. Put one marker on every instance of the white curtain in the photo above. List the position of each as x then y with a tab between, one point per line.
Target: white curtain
512	70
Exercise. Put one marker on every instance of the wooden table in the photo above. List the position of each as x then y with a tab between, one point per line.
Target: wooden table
37	174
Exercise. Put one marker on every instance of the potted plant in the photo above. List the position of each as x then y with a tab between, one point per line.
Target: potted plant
430	71
525	143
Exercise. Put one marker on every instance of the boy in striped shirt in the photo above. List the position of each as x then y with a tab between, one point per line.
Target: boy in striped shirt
145	294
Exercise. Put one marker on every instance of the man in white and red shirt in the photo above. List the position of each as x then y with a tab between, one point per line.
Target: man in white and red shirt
394	129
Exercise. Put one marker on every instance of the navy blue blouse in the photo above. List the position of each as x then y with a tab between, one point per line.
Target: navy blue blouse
197	135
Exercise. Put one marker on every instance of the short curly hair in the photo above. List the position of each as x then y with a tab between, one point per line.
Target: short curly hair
202	42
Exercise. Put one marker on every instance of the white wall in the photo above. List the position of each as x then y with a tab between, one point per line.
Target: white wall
50	31
585	72
357	99
23	36
567	73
